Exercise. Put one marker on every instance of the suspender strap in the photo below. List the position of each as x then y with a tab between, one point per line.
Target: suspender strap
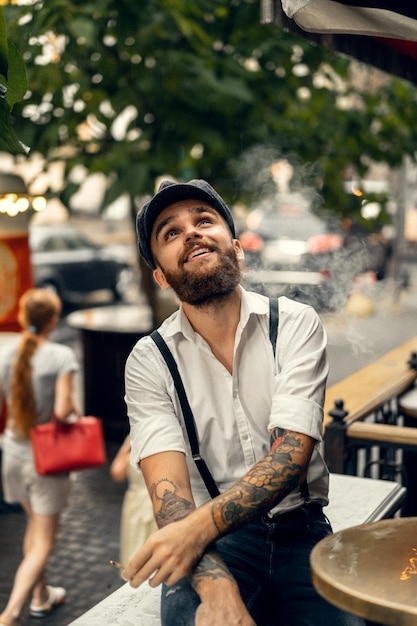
305	493
273	335
188	415
273	322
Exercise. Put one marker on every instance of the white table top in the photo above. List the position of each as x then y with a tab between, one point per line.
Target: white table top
355	500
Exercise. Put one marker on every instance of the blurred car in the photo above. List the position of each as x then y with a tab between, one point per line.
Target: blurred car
66	261
299	254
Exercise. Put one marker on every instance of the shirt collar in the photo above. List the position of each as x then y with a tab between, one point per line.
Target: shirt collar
252	304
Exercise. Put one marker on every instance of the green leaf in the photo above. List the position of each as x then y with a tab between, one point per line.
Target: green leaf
8	138
16	78
3	45
83	28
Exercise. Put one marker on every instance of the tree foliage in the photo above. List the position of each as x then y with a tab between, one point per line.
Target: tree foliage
192	89
13	86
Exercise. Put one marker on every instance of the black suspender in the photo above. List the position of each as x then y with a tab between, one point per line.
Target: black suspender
273	322
187	413
182	396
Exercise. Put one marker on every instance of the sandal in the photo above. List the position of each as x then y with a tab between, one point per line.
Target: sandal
56	596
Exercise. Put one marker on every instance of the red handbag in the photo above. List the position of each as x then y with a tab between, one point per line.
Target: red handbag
66	447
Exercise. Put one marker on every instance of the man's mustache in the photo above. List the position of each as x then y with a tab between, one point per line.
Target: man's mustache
189	247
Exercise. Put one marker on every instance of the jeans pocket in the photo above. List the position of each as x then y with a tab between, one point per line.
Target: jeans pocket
320	527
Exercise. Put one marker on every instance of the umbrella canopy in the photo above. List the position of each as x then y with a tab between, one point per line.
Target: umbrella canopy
382	33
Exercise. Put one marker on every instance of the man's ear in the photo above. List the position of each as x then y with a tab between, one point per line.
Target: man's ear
239	250
160	279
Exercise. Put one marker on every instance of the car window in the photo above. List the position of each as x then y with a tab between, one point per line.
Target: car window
77	242
54	244
62	242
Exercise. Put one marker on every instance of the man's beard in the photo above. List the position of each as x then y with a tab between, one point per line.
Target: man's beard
204	286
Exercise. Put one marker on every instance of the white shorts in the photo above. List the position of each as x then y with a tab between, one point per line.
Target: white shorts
46	495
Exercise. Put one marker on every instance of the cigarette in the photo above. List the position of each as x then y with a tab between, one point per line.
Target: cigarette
116	564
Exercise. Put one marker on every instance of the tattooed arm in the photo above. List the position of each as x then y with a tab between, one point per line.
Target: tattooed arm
175	549
266	484
168	481
173	501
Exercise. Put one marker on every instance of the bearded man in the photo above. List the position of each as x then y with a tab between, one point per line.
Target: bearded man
242	556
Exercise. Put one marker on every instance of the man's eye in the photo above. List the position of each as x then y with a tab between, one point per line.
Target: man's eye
170	233
205	220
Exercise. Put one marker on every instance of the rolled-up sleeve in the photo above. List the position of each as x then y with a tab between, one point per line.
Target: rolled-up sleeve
299	387
154	426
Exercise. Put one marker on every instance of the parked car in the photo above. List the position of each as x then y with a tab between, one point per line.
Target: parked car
299	254
66	261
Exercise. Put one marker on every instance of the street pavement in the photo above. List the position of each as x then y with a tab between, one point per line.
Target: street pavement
356	340
89	533
88	538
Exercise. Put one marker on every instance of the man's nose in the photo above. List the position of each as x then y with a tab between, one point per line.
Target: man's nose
191	232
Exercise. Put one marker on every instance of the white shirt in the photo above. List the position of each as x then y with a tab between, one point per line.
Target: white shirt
234	413
49	361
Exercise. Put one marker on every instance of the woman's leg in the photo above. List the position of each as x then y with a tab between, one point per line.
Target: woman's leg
39	591
38	544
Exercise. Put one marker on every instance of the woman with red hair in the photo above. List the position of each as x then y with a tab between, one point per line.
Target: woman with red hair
36	382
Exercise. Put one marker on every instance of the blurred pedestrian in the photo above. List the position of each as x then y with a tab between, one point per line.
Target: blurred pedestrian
137	520
36	382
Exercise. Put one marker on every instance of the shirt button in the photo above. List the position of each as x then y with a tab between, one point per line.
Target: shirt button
245	437
235	394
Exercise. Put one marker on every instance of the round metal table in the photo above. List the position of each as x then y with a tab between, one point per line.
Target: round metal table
371	570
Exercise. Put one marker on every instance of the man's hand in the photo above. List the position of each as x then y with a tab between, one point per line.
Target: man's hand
221	602
223	610
169	554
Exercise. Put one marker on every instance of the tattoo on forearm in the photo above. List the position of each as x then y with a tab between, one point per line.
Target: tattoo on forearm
173	507
277	437
266	484
210	566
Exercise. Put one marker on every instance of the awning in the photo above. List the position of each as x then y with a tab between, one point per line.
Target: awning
382	33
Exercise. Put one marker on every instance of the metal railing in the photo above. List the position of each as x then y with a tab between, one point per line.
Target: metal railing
367	431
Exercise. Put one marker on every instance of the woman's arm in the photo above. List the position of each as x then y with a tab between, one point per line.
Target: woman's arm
64	403
120	463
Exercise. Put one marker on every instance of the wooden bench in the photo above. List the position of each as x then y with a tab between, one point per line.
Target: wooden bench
353	501
363	412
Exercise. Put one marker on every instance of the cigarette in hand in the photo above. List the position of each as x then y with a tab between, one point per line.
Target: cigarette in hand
116	564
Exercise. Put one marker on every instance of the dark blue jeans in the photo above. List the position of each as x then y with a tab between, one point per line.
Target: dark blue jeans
270	562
